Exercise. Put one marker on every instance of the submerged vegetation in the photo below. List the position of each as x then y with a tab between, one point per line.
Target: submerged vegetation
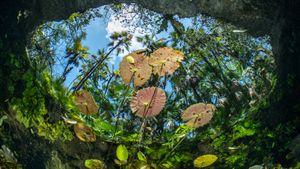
190	99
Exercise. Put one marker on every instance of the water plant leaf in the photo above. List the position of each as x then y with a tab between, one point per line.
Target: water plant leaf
84	133
205	160
94	164
85	103
198	114
122	153
165	60
135	67
148	102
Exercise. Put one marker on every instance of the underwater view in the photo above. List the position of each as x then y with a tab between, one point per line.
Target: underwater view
139	84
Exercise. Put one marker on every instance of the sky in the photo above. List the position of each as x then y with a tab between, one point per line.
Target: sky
99	30
97	38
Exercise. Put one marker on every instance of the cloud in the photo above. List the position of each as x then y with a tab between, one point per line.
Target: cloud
117	23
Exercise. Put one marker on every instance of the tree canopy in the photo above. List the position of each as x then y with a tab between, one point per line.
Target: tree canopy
199	97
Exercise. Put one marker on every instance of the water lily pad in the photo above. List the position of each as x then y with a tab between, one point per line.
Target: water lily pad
165	60
135	67
122	153
84	133
198	114
85	103
148	102
94	164
205	160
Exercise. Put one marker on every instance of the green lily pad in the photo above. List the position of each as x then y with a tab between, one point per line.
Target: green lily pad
205	160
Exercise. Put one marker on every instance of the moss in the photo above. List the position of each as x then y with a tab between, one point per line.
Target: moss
33	109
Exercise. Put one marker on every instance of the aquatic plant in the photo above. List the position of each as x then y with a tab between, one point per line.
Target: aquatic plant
198	114
165	60
205	160
84	133
148	102
86	103
135	67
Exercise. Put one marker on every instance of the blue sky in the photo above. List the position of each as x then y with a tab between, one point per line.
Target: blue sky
96	35
99	30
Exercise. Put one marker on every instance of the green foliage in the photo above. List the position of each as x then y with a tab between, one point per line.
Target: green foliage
39	104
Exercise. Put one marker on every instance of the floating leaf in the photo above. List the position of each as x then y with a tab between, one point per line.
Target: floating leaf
165	60
205	160
198	114
148	102
84	133
94	164
135	67
85	103
122	153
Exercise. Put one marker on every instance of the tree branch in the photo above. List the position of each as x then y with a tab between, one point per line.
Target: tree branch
92	70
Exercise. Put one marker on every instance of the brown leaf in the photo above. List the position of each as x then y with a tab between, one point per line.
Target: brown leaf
85	103
198	114
84	133
135	66
165	60
148	102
